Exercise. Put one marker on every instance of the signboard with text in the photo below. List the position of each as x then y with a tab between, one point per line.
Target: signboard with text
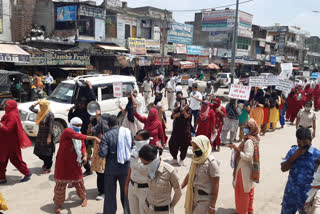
67	13
284	85
137	46
192	58
91	11
166	60
117	89
239	92
263	81
180	33
286	70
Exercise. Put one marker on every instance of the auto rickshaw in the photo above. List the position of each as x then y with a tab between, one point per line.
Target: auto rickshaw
15	85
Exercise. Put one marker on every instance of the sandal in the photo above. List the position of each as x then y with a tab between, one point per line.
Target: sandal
84	203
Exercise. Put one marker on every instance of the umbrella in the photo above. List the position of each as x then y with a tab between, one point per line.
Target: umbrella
213	66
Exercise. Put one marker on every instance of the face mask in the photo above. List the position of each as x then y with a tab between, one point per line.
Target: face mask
246	131
138	146
307	108
198	152
153	167
75	128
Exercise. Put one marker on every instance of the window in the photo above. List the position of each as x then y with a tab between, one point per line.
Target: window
127	31
106	92
86	26
243	43
63	93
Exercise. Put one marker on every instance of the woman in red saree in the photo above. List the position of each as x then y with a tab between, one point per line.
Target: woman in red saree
206	122
13	138
308	93
316	97
220	113
72	153
290	103
298	103
154	126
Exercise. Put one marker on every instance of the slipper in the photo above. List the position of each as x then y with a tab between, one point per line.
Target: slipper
26	178
4	181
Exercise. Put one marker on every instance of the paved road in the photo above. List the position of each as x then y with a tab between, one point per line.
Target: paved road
36	195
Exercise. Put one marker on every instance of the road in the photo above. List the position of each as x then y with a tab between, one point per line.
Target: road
36	195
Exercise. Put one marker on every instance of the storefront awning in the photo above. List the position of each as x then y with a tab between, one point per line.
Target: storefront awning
112	48
13	53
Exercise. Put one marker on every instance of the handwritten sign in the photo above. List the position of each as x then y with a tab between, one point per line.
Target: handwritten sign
240	92
286	70
117	89
263	81
284	85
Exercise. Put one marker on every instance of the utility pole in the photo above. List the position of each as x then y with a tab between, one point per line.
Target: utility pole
234	43
163	37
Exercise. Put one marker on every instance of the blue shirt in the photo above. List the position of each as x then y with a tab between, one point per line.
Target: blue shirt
299	180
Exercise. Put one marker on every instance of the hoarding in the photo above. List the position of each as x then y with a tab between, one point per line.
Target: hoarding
137	46
181	48
153	45
96	12
67	13
224	20
197	50
180	33
166	60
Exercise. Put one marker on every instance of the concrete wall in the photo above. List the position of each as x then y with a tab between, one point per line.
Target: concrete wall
199	37
44	15
6	36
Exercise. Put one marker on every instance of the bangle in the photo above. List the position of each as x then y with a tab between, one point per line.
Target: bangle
212	208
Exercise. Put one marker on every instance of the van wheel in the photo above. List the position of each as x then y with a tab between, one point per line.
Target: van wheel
57	131
120	118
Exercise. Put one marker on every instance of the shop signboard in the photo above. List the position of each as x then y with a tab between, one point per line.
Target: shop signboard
117	89
315	75
273	60
67	13
192	58
166	60
170	48
96	12
14	58
153	45
59	59
181	48
137	46
194	50
203	60
180	33
239	92
145	61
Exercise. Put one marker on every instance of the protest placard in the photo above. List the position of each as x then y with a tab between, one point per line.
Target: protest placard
285	85
286	70
117	89
257	81
271	80
240	92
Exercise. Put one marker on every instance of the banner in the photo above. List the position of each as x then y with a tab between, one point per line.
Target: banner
194	50
181	48
240	92
137	46
263	81
96	12
67	13
192	58
180	33
286	70
153	45
117	89
166	60
285	85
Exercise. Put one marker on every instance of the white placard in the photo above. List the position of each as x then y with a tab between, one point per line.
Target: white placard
240	92
286	70
284	85
117	89
257	81
271	80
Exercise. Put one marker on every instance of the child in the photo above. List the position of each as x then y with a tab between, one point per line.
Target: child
301	161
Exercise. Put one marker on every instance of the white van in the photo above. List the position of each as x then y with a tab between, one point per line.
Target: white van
68	91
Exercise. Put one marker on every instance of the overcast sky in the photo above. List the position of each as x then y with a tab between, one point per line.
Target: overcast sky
265	12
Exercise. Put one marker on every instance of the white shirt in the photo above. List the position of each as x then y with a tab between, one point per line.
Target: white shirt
190	82
195	104
49	79
306	118
147	86
179	88
171	84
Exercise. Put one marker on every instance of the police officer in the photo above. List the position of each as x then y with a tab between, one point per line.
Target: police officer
136	184
162	179
202	179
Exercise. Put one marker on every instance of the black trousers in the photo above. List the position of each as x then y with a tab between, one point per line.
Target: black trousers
47	160
176	146
100	182
110	191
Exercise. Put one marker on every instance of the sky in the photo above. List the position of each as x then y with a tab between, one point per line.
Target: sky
265	12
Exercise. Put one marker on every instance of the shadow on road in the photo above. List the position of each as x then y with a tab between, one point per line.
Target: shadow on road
226	211
36	170
12	180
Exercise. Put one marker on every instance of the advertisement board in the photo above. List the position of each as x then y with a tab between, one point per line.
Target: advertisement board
157	60
153	45
96	12
192	58
239	92
203	60
180	33
145	61
181	48
194	50
67	13
137	46
114	3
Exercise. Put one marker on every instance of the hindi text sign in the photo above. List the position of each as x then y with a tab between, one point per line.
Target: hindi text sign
117	89
284	85
286	70
240	92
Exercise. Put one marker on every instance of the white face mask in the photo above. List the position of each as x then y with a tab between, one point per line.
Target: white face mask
307	108
138	146
153	167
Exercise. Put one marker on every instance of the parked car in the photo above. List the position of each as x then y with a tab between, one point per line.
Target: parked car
226	79
68	91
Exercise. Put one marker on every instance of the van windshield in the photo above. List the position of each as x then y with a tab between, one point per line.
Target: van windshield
63	93
222	76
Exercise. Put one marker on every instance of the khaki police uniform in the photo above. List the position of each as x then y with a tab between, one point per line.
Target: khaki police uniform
159	191
202	185
138	186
